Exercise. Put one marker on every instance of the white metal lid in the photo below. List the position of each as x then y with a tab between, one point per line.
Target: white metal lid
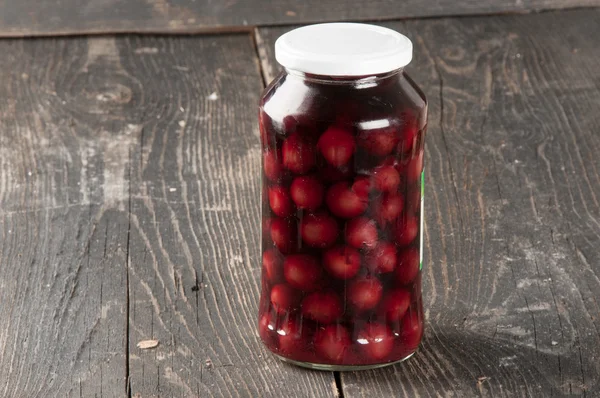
343	49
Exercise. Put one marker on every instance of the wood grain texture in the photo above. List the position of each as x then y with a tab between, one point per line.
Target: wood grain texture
194	263
511	264
64	139
129	184
62	17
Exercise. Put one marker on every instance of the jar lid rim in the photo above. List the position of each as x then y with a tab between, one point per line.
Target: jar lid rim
343	49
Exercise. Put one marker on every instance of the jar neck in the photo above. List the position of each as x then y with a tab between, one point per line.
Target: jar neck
356	81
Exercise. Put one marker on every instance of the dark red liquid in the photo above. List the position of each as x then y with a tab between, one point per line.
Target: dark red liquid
342	166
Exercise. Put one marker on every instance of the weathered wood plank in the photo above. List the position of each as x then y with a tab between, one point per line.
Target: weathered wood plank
194	248
512	264
64	142
60	17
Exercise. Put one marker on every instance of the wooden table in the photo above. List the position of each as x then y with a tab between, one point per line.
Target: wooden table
130	190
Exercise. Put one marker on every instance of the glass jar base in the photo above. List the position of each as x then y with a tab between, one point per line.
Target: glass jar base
342	368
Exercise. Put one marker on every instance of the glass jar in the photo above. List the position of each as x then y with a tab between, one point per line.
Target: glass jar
342	145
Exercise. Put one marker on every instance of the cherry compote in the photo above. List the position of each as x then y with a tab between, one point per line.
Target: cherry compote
342	164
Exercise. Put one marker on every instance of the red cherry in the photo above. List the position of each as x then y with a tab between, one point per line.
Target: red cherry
414	167
413	200
272	264
408	265
388	208
272	165
364	293
342	262
362	187
280	201
307	192
361	232
376	340
266	227
337	146
265	124
284	234
409	142
378	142
394	305
302	271
289	124
332	343
323	307
266	328
408	133
386	178
291	337
382	258
283	298
319	230
344	202
407	229
412	329
298	154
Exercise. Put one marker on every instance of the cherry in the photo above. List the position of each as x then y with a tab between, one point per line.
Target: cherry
266	328
364	293
344	202
414	167
280	201
409	133
332	343
302	271
376	340
291	337
265	124
266	228
412	329
271	165
323	307
394	305
272	264
298	154
408	265
388	208
319	230
307	192
382	258
337	146
290	123
407	229
284	234
386	178
362	187
413	200
283	298
342	262
378	142
361	232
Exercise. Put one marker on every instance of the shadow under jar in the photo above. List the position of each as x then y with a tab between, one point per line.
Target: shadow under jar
342	145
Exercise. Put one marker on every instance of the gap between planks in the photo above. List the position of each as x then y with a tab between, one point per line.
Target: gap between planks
252	29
